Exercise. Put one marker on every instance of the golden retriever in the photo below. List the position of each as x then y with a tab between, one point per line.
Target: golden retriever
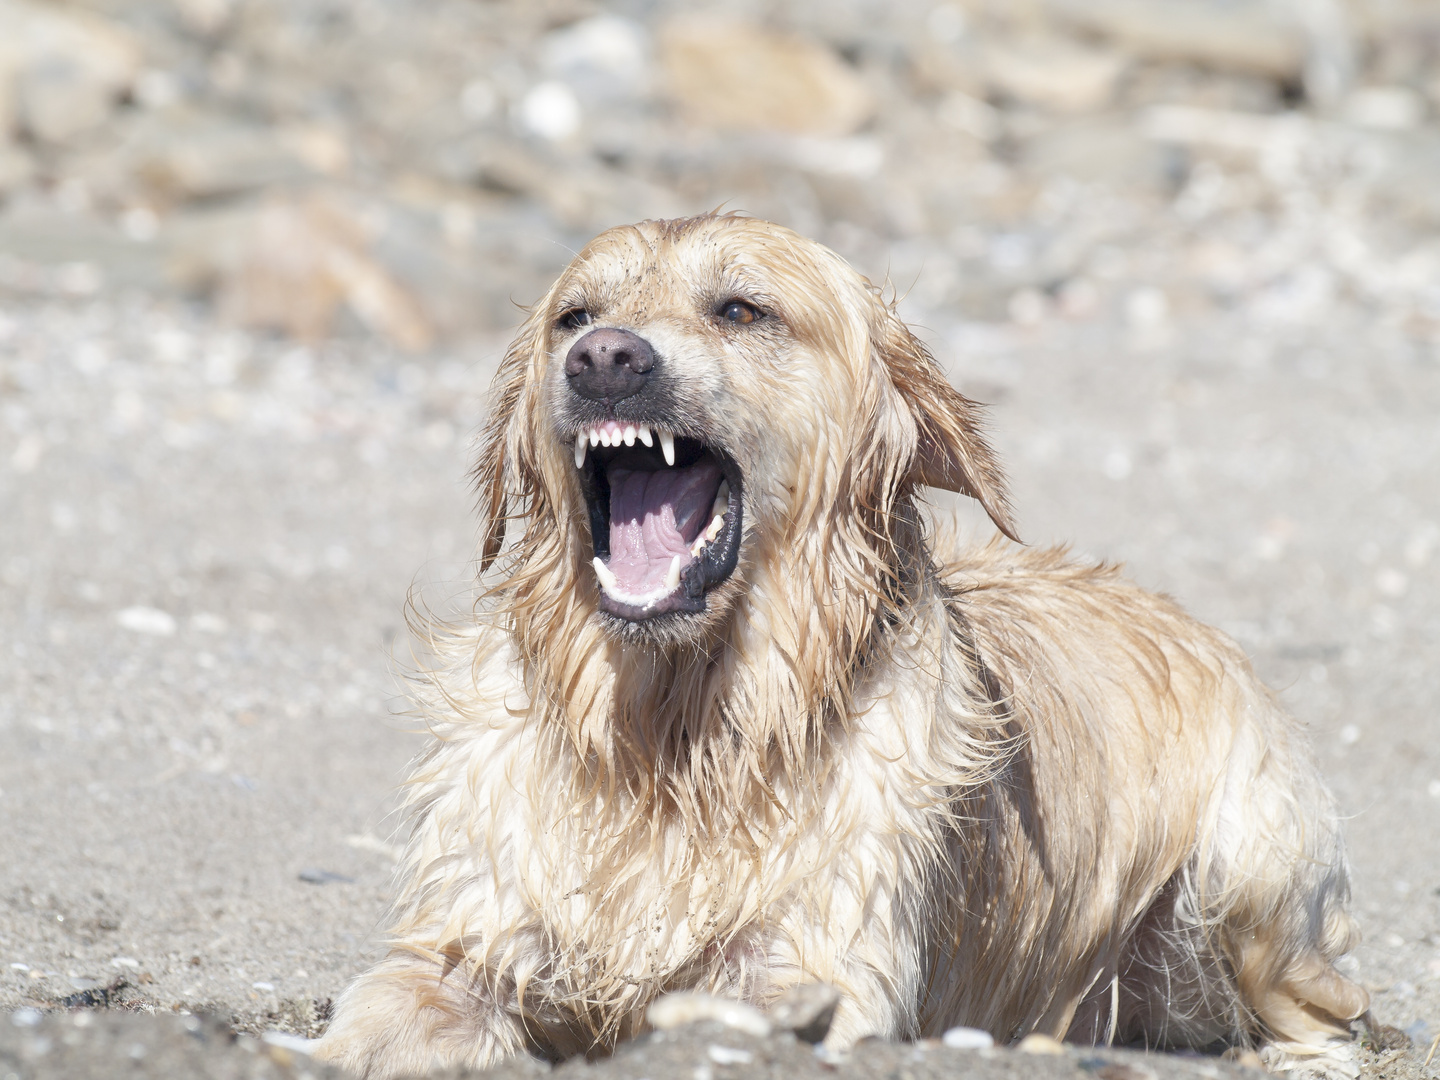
731	717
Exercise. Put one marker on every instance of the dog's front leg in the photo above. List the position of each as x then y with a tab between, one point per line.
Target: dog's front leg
877	972
409	1015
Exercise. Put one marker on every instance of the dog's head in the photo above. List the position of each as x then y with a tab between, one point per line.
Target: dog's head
700	408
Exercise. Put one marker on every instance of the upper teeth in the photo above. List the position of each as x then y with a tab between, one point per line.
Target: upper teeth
613	434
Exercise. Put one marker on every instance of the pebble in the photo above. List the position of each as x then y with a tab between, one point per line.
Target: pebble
147	620
1036	1043
967	1038
806	1010
688	1007
729	1055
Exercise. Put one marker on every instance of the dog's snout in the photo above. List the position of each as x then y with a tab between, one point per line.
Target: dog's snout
609	364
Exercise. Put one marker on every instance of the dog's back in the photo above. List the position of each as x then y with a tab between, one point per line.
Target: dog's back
1151	768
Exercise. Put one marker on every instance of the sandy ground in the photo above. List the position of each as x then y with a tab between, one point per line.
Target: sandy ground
208	540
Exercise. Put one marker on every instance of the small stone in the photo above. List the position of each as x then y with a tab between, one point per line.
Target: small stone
147	620
1235	35
211	158
291	266
1036	1043
1054	73
69	67
551	110
1392	582
603	58
1386	108
729	1055
731	75
967	1038
689	1007
806	1010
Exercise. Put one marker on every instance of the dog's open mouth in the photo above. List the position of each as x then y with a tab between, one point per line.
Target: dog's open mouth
665	517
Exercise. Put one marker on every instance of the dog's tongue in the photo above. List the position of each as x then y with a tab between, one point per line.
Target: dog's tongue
655	516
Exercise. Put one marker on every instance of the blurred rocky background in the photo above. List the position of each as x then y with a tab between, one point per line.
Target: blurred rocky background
319	167
257	261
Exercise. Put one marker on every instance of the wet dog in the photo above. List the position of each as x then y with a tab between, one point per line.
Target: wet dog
731	717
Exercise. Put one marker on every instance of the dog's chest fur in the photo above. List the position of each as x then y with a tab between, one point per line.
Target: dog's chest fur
909	839
614	902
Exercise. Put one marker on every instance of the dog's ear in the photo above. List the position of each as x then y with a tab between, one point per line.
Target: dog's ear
950	449
503	444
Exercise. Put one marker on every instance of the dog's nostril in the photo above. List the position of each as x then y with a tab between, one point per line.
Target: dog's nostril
609	364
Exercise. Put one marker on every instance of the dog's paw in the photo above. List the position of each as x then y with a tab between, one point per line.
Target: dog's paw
1337	1061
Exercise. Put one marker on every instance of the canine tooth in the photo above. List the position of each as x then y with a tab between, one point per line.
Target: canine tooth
594	436
603	572
580	450
645	438
667	447
629	434
672	576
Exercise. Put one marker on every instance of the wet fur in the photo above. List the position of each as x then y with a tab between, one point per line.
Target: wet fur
994	787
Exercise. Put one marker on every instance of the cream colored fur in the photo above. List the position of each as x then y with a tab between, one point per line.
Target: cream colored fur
992	787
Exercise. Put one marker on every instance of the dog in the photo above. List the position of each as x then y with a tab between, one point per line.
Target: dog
734	715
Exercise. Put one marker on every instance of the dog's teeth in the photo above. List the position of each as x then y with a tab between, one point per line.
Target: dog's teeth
714	528
629	434
672	576
698	546
580	450
644	433
667	446
722	499
607	579
594	436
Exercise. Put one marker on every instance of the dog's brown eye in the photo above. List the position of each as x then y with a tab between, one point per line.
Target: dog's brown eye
737	311
575	318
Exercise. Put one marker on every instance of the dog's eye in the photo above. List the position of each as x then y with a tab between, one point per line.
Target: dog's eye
737	311
575	318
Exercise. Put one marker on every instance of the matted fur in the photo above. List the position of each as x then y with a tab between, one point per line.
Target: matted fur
992	787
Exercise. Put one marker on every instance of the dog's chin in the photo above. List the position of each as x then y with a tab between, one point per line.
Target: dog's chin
676	629
666	526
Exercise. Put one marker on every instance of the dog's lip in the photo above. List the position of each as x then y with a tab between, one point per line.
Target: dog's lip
700	539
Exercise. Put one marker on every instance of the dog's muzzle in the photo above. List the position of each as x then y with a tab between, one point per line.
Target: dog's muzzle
665	505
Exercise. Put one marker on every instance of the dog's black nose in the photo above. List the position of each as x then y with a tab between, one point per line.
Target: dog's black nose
609	364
